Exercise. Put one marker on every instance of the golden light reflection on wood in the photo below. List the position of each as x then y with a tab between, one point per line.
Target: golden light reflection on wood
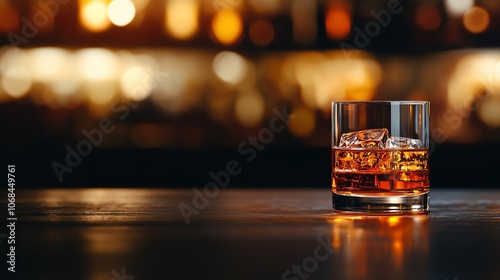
92	231
371	243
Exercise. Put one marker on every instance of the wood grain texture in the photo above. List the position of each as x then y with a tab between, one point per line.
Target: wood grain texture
251	234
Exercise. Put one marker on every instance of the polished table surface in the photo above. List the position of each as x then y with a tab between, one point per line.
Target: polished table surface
250	234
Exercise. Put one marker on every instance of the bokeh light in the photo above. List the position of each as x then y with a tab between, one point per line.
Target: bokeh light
249	108
181	19
54	67
458	7
303	122
428	17
101	92
489	112
476	20
67	85
185	84
466	76
327	76
227	26
16	82
338	21
140	4
93	15
97	64
475	80
170	91
135	83
230	67
121	12
49	64
261	33
16	78
496	71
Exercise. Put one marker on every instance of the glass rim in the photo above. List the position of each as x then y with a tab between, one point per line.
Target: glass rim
392	102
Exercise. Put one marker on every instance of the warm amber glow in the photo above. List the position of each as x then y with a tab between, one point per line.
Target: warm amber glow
338	21
265	6
458	7
101	92
302	122
15	75
356	242
39	16
10	17
249	108
134	83
49	64
261	33
397	251
304	23
489	112
227	27
181	19
475	84
392	221
428	17
16	82
121	12
418	94
97	64
323	77
230	67
140	4
476	20
93	15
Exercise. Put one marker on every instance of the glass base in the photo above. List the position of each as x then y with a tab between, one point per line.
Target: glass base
410	204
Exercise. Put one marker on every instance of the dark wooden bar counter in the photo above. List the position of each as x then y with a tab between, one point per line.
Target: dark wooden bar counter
250	234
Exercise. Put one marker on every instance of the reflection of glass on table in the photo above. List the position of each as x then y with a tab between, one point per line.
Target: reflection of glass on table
380	247
380	156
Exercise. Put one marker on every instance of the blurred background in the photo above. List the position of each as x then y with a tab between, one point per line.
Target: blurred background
159	93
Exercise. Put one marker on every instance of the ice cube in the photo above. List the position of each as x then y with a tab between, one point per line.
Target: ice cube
364	161
368	138
409	160
396	142
372	161
344	161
